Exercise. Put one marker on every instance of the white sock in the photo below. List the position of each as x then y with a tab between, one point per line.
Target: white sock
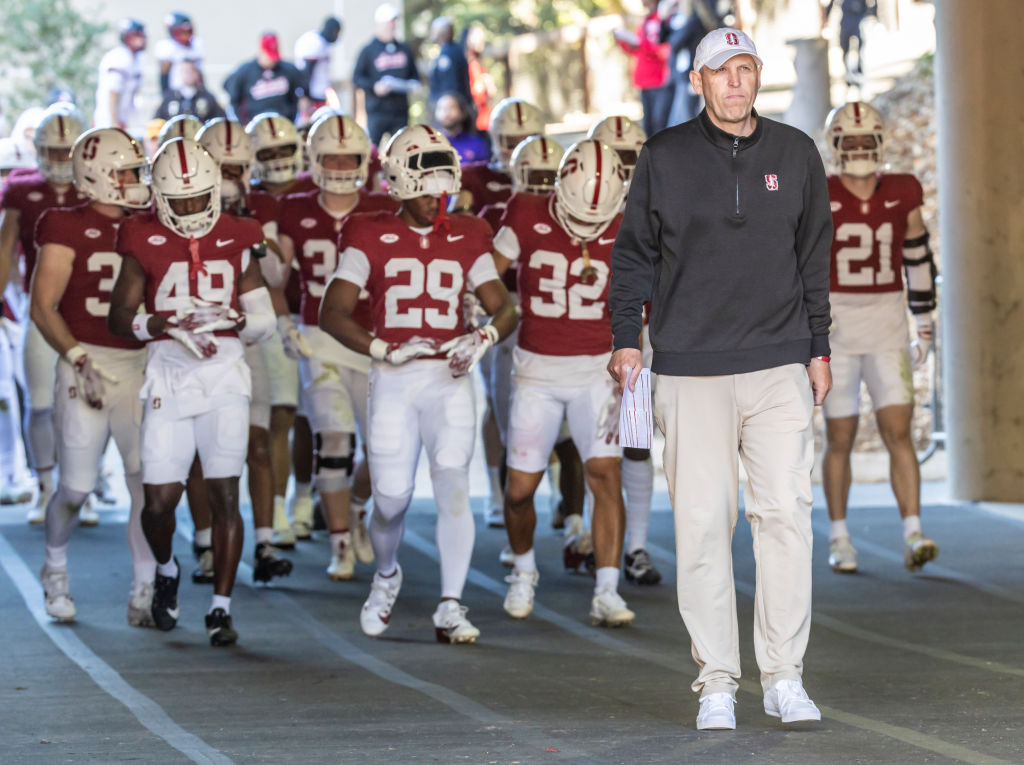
494	478
911	525
143	562
638	484
280	514
264	534
220	601
837	530
303	490
525	562
170	568
204	537
607	578
455	528
57	558
340	539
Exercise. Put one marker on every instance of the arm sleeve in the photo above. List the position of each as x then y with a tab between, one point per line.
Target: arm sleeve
481	271
919	265
506	243
813	246
635	257
354	267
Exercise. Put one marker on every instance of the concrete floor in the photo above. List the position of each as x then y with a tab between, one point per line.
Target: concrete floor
906	668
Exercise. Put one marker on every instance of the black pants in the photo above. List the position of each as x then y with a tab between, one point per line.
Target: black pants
379	124
657	103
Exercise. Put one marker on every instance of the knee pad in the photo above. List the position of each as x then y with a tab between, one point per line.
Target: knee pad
334	461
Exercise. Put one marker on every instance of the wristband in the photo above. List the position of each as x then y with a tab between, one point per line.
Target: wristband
379	349
75	354
826	359
140	326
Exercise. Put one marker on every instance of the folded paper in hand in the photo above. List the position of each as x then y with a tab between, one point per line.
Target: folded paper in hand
636	422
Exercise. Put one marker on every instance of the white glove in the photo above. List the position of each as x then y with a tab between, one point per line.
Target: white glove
466	350
608	419
400	353
925	333
295	345
89	376
203	345
473	311
208	317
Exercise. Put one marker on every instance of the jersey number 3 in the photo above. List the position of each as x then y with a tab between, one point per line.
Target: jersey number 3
852	268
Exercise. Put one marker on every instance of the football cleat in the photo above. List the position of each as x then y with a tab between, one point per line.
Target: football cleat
451	624
269	563
842	556
165	600
219	629
639	569
519	599
376	613
87	515
360	535
140	605
12	494
59	603
495	517
608	609
507	557
343	562
559	515
577	543
918	550
203	573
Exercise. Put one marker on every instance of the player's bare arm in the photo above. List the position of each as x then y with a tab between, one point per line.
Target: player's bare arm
49	282
498	303
336	319
915	224
129	293
501	263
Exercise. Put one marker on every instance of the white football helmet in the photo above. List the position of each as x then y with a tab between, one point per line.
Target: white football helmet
321	112
535	164
420	160
623	135
512	121
99	156
856	118
338	135
229	144
69	109
184	171
276	138
589	190
180	126
12	155
56	134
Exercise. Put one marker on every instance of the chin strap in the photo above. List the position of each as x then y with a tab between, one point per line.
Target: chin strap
197	266
588	275
441	221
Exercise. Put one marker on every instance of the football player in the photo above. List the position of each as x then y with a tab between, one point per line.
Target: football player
25	199
627	138
416	266
192	268
334	378
99	375
231	147
879	235
563	244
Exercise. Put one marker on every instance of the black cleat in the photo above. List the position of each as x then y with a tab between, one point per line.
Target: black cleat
269	564
203	573
165	600
218	627
639	569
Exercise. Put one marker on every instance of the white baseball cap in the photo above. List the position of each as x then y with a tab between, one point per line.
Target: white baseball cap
719	46
385	13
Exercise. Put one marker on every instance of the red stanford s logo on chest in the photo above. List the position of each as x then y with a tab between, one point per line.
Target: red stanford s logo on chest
771	182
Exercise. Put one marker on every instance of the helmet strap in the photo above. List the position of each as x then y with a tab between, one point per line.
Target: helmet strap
441	221
197	266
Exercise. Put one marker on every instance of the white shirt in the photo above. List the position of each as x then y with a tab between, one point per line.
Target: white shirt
312	47
171	50
120	72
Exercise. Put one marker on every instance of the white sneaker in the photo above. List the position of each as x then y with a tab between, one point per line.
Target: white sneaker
507	557
608	609
140	605
302	518
284	536
495	516
15	493
519	600
788	699
918	550
343	562
376	613
87	515
360	535
716	712
59	603
37	513
842	556
451	624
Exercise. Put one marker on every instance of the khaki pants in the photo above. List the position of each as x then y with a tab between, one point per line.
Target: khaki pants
765	418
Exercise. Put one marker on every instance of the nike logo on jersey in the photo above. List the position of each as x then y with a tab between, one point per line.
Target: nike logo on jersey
602	240
456	238
224	242
889	204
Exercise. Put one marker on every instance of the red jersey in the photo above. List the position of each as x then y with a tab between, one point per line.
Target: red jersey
492	214
415	277
487	185
262	206
314	232
562	316
86	301
867	247
31	195
174	277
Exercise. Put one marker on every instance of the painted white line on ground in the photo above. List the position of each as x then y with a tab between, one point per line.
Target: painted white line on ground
604	639
143	708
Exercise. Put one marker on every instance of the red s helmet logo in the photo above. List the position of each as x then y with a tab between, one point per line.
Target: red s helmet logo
732	39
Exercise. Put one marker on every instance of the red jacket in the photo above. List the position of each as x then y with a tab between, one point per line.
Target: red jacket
651	70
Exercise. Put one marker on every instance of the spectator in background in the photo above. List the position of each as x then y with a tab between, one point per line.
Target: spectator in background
182	45
120	76
453	116
191	98
481	84
313	58
449	72
266	84
386	73
683	25
650	71
853	14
